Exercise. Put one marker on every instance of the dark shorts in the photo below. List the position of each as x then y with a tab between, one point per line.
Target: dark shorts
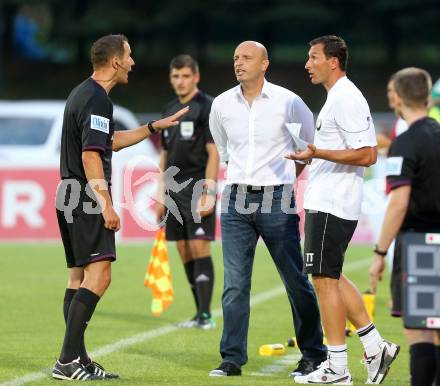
326	240
84	236
188	227
396	279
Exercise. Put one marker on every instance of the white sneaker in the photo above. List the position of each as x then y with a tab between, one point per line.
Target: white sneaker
379	364
324	375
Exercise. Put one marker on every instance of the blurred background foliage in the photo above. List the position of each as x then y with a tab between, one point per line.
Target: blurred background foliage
44	45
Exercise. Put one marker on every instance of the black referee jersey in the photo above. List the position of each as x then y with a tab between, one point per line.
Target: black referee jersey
414	159
87	125
186	144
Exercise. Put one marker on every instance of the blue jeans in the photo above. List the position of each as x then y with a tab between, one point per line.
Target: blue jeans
280	232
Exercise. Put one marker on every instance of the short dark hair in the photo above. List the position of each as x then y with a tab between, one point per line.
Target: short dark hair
105	48
413	85
184	60
334	47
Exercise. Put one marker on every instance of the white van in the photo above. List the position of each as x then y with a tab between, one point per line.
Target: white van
30	134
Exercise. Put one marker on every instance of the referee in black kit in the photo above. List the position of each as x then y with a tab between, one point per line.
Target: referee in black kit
191	149
413	178
86	217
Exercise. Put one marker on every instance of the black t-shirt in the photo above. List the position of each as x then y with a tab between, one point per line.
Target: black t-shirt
414	159
186	143
87	125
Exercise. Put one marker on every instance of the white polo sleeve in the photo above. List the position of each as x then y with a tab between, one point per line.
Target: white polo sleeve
218	132
354	120
303	115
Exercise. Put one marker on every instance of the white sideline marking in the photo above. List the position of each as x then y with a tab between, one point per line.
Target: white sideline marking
147	335
278	366
289	359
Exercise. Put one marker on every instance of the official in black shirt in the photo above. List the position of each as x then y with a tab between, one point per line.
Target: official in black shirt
87	125
191	149
186	147
413	178
86	217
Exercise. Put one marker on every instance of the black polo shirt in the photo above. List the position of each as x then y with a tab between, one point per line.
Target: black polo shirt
414	159
186	143
87	125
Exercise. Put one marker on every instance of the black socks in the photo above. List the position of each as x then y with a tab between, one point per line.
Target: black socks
189	270
68	296
204	283
422	364
80	311
437	359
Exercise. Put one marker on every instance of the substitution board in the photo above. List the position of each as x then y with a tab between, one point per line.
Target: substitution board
421	280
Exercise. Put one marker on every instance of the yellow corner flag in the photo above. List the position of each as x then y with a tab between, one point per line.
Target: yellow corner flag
158	276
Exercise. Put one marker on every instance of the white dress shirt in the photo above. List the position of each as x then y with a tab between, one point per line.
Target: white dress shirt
254	139
344	123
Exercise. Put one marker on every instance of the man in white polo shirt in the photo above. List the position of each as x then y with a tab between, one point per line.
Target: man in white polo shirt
250	125
345	143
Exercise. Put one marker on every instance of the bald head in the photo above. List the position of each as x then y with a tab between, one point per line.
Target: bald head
254	46
250	62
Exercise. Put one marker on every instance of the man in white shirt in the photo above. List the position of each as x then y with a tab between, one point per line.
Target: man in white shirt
250	125
344	144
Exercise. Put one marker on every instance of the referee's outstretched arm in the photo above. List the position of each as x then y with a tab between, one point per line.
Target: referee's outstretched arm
127	138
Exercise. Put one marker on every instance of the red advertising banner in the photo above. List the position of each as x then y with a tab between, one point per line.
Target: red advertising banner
27	204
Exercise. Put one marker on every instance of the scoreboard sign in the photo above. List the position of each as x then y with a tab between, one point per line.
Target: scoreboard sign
421	280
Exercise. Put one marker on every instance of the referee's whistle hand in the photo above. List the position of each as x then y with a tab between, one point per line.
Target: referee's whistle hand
111	219
170	121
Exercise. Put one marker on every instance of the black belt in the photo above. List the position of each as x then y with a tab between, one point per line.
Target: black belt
255	188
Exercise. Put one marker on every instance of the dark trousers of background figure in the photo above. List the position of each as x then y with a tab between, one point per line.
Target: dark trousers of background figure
280	232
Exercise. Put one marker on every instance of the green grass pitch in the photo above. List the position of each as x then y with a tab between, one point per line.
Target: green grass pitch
143	349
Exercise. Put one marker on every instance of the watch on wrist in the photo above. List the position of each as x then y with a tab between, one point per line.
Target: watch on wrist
377	251
151	128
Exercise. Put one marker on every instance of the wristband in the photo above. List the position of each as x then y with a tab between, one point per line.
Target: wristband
379	252
151	128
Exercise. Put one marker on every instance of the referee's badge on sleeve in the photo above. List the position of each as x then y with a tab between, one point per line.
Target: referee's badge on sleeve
100	123
187	129
394	166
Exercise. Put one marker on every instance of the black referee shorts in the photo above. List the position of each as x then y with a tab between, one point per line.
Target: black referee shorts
188	228
326	240
84	236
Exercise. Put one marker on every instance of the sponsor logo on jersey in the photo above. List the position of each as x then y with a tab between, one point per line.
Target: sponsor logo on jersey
318	124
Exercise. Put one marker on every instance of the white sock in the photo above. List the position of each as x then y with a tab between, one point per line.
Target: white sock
370	339
338	358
